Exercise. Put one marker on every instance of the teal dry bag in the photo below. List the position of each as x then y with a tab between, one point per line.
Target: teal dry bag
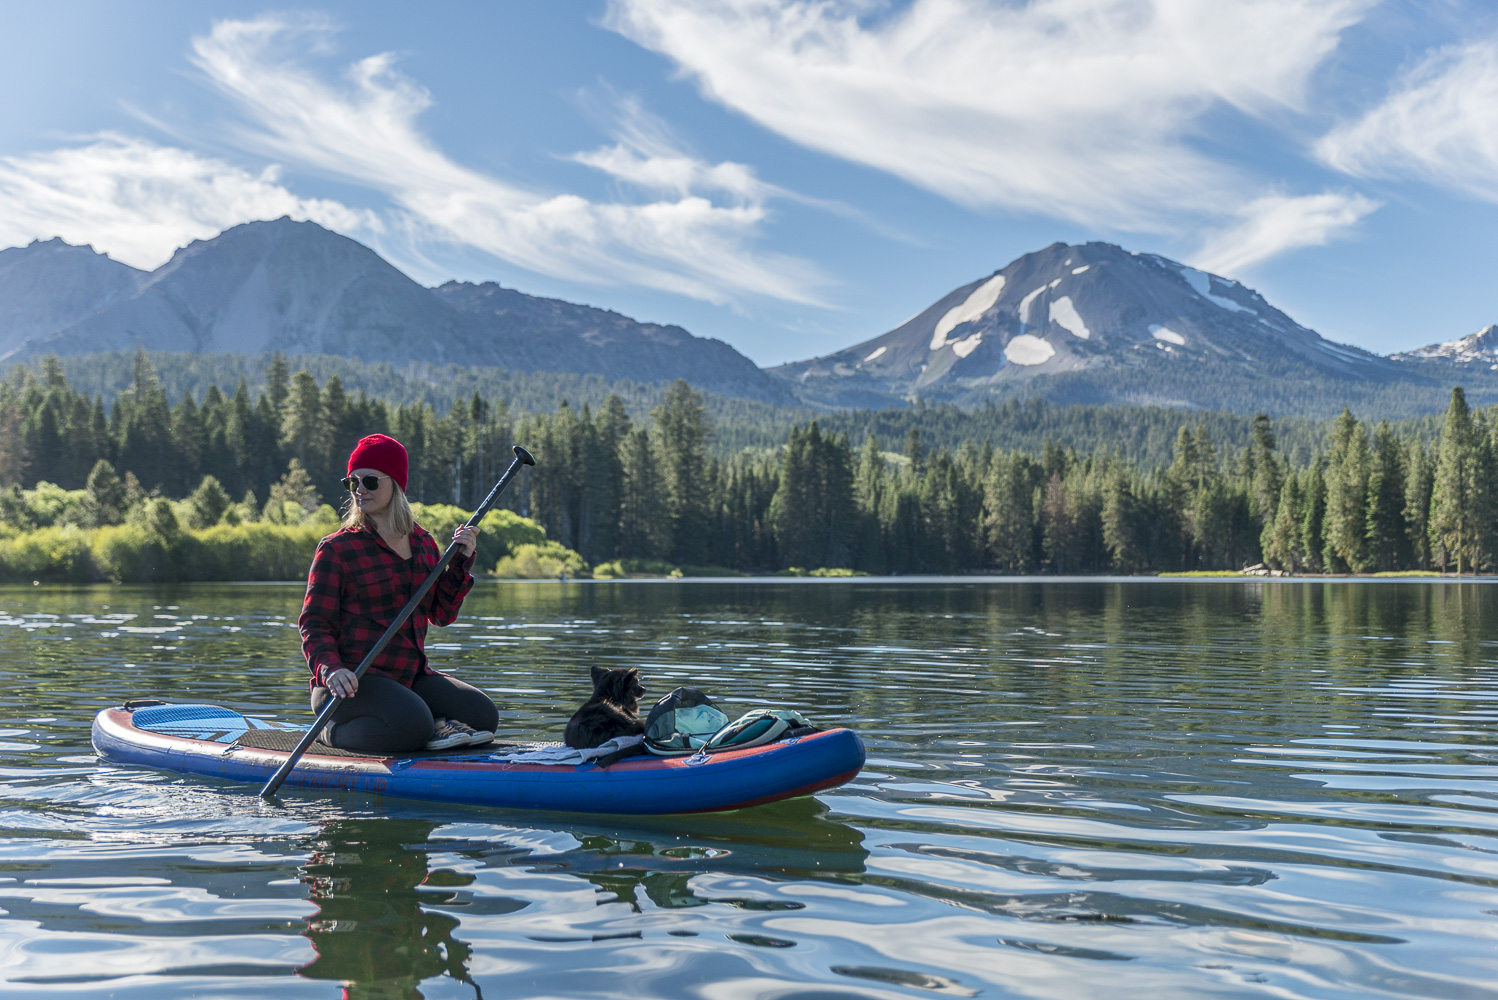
762	725
682	722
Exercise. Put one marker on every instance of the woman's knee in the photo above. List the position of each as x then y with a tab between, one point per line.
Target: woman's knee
453	699
384	716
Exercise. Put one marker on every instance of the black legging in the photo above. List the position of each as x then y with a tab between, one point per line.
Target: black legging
385	716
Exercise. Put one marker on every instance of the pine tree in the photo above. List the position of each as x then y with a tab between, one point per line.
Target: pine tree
292	497
207	504
1009	513
1281	540
611	427
1484	508
277	381
681	431
340	432
812	511
52	373
915	451
13	457
104	497
1059	535
868	497
900	525
644	520
145	427
1388	546
951	507
1345	535
1122	530
136	495
189	444
1454	489
304	429
1313	515
1418	482
218	460
44	442
1266	474
1179	488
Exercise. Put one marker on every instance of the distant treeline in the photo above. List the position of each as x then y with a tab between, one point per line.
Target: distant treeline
612	486
1141	435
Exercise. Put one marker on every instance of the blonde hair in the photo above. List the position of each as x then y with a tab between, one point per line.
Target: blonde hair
401	517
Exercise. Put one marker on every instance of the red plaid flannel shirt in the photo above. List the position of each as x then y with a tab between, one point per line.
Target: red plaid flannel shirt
356	587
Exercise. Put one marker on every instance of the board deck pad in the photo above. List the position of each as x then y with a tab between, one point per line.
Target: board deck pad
202	722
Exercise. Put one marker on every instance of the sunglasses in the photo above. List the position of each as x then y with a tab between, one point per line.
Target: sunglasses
371	483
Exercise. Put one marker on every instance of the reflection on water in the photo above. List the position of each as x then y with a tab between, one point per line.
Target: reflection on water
381	924
1074	788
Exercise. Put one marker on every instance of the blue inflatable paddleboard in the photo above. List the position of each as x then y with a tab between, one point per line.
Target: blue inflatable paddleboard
214	742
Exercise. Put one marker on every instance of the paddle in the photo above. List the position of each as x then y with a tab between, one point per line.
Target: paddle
522	457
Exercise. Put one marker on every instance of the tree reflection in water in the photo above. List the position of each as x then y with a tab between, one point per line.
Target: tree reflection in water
372	930
381	928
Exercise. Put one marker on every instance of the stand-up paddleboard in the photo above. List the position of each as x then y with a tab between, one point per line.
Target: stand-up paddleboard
217	742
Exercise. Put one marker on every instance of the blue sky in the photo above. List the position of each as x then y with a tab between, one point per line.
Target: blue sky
791	177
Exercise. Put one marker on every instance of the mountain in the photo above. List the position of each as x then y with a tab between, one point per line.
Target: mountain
1095	323
565	337
298	288
1476	350
51	284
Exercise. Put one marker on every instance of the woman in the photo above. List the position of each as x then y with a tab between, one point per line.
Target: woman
361	577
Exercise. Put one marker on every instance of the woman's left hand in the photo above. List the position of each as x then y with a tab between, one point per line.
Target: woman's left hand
468	537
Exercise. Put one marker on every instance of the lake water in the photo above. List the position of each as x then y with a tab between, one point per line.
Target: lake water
1074	789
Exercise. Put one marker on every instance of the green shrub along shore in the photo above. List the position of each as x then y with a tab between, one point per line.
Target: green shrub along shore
159	540
628	497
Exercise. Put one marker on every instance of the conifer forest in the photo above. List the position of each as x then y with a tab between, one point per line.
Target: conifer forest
1368	497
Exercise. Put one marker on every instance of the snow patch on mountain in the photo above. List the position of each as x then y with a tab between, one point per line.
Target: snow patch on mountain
1201	283
1024	305
976	304
1079	270
1480	346
967	345
1065	315
1028	349
876	353
1166	334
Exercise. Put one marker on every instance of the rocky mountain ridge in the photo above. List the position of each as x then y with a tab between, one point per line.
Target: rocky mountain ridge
1107	324
1478	349
298	288
1090	323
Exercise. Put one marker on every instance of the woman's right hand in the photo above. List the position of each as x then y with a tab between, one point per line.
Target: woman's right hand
342	683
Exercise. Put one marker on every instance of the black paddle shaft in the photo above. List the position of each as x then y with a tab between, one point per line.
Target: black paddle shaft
522	457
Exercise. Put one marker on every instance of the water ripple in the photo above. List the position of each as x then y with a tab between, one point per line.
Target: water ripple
1074	789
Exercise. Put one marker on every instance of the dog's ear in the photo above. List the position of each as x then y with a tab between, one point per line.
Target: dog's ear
597	673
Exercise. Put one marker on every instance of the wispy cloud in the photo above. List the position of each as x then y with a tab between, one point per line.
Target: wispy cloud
1085	110
1439	124
139	202
689	240
647	155
1272	224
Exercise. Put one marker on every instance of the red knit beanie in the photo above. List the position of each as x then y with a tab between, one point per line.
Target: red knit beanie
382	454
